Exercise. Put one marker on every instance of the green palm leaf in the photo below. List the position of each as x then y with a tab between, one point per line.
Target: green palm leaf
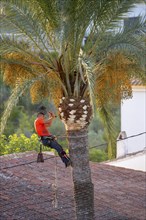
51	33
12	101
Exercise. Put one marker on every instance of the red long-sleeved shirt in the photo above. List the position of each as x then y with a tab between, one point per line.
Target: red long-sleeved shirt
41	128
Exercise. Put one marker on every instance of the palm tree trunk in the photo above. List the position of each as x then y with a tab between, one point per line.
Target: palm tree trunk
83	187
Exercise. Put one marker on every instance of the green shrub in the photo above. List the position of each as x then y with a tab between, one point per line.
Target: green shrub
97	155
21	143
3	144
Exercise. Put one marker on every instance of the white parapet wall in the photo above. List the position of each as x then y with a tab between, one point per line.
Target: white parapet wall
134	162
133	119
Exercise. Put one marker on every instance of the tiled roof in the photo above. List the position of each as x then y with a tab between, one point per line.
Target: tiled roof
28	191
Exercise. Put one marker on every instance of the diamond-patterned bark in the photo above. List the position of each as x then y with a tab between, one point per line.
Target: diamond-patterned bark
76	113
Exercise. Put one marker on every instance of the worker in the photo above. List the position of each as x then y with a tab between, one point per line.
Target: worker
41	125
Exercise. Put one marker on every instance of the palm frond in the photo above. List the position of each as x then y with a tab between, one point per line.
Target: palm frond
109	126
47	82
90	82
28	25
49	6
51	33
113	81
12	101
124	38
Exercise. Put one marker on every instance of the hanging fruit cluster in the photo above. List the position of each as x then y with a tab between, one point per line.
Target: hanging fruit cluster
114	83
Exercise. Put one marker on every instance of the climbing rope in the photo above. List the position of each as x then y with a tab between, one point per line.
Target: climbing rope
41	159
55	185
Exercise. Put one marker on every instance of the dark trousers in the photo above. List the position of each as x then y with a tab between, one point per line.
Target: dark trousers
52	143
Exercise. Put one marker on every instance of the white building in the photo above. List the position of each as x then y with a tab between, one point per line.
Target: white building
133	118
133	122
131	144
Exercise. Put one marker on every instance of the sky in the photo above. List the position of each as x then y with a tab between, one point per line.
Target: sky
138	9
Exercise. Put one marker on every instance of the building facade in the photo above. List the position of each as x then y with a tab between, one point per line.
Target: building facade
133	118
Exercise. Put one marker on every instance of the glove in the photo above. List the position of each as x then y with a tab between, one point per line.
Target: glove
52	115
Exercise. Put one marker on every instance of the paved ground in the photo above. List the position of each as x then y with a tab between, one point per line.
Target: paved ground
28	190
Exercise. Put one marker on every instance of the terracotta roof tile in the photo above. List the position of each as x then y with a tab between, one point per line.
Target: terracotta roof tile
28	192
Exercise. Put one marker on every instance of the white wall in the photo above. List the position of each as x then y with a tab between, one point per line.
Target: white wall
133	119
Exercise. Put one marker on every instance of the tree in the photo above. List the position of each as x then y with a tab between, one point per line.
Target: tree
46	52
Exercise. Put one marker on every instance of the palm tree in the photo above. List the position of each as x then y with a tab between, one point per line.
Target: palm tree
65	50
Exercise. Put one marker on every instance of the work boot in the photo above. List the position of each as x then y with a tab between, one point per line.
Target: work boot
65	159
